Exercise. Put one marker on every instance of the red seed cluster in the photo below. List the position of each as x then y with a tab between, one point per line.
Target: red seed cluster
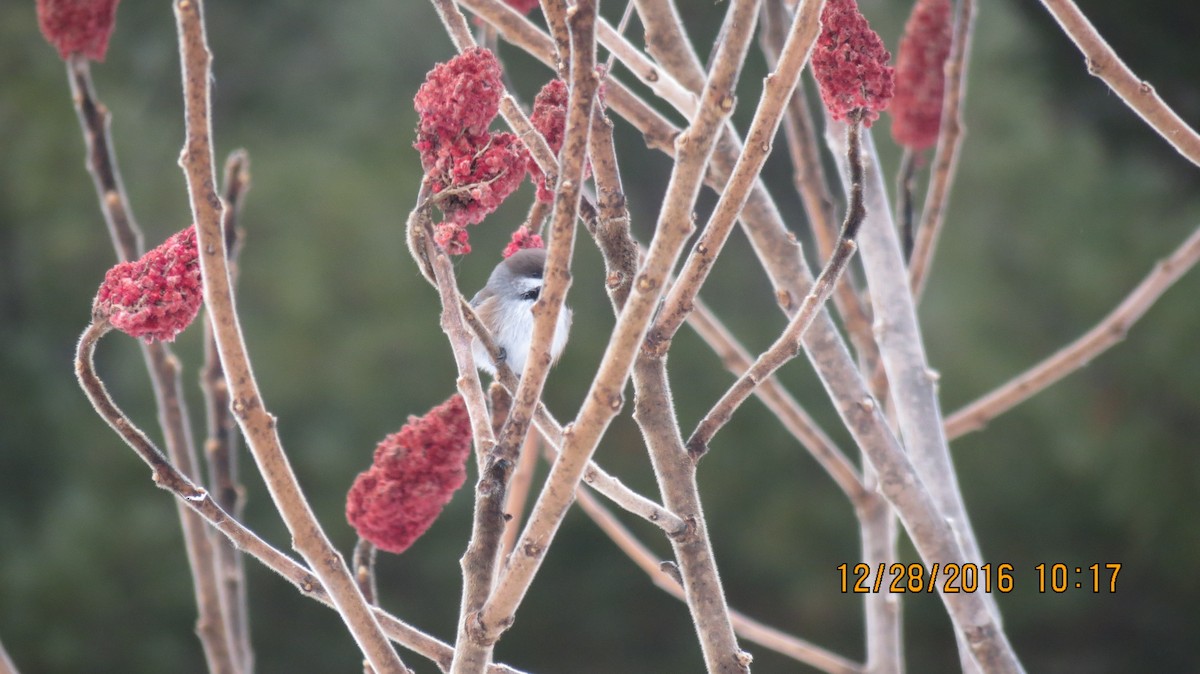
850	64
475	168
522	239
550	119
156	296
78	26
920	74
415	473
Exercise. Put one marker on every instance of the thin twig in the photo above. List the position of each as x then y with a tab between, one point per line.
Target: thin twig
479	560
362	563
877	528
518	493
216	637
781	403
538	212
622	24
95	122
220	447
1138	94
248	406
170	479
1107	333
787	345
809	176
945	158
752	630
905	182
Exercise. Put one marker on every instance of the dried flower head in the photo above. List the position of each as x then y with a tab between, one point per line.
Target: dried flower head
470	170
850	64
920	74
522	239
156	296
549	117
78	26
460	96
414	474
452	238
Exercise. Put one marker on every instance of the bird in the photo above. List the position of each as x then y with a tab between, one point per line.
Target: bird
505	306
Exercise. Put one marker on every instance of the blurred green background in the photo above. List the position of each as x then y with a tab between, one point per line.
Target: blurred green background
1062	204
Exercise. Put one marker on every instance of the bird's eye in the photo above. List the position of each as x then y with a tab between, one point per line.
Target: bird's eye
531	294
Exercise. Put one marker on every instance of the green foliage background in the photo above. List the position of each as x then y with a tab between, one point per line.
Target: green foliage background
1058	211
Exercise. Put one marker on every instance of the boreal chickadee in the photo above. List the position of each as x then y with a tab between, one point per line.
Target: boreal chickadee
505	306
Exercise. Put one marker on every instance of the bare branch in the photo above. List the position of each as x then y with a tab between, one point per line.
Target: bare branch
362	563
95	122
248	406
220	446
1104	63
945	159
1107	333
164	368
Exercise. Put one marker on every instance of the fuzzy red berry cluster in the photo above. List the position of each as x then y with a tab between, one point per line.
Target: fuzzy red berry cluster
156	296
469	169
849	61
522	239
550	119
473	169
920	74
414	474
78	26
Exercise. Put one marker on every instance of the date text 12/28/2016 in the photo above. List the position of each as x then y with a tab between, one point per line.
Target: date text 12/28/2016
954	578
